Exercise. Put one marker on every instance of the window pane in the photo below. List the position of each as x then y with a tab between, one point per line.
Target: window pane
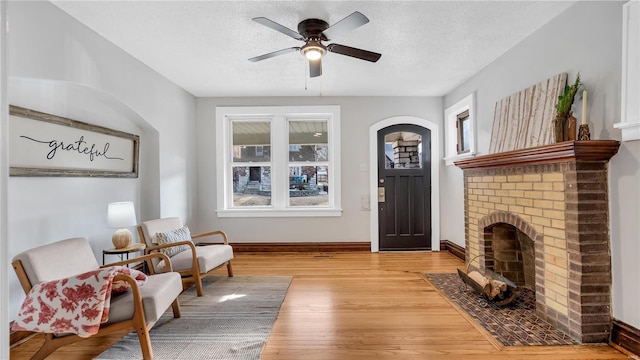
465	133
251	141
308	141
308	186
251	185
403	150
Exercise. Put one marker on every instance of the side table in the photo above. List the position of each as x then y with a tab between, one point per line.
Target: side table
122	252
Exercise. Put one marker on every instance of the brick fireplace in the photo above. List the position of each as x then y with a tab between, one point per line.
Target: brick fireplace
542	214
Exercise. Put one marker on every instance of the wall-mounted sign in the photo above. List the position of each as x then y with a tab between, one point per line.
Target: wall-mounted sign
47	145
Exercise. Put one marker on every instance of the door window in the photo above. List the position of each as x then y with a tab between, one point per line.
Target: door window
403	150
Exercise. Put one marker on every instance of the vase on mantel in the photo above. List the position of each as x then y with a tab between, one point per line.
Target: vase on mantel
570	127
559	126
562	121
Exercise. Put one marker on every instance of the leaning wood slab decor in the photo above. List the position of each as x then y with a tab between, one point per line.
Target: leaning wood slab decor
48	145
525	119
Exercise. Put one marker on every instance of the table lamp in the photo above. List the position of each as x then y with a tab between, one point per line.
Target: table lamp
119	216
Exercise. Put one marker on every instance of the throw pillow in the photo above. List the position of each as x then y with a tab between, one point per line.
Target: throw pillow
173	236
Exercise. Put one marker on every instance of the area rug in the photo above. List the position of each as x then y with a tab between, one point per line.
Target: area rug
511	325
231	321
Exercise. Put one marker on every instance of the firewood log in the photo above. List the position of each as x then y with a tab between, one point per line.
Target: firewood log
481	280
497	288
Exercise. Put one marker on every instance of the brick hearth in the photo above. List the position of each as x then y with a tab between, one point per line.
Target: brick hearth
556	195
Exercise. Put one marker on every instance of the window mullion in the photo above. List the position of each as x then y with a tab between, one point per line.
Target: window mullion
228	162
279	161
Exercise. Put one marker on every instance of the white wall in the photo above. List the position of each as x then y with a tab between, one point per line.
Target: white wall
57	65
586	38
357	114
4	244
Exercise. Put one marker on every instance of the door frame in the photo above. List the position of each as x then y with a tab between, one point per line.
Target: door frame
435	176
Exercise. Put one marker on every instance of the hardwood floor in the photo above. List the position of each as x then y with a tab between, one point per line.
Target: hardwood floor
362	306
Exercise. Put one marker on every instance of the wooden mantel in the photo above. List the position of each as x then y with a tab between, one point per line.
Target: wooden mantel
590	150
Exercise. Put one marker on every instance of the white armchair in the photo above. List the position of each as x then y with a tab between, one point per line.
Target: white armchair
192	257
137	308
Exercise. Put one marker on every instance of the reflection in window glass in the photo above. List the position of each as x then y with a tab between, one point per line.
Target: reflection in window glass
308	186
403	150
251	141
251	163
464	132
308	141
251	185
308	169
308	152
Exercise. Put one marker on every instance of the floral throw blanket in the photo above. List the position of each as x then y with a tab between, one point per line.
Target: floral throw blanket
75	305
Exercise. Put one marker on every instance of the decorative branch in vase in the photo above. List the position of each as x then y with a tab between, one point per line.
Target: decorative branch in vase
562	128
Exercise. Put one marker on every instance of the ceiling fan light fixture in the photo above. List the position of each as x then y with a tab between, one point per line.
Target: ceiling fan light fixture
313	52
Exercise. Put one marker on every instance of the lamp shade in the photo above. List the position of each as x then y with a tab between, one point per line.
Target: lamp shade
121	214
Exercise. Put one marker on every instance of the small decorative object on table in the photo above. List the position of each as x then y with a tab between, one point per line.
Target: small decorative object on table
119	216
563	113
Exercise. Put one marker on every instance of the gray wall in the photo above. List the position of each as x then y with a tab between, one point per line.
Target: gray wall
357	115
586	38
57	65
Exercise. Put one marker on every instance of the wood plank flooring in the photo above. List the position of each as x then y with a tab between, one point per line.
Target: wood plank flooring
352	306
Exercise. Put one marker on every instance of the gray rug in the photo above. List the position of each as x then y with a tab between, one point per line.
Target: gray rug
231	321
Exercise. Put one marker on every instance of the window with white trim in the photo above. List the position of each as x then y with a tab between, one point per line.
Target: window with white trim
278	161
460	130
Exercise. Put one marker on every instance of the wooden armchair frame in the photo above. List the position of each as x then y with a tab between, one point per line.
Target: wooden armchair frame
192	275
137	322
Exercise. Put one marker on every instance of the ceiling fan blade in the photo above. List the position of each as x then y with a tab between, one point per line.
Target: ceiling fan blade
275	26
315	68
345	25
353	52
274	53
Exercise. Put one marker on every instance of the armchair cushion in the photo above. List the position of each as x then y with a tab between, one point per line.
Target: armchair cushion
209	257
157	294
173	236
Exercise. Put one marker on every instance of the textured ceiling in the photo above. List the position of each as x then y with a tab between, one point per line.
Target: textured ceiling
427	47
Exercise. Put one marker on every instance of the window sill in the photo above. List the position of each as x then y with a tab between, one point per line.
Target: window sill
304	212
630	129
450	160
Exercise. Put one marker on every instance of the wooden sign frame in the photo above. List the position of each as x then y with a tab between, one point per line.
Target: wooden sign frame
42	144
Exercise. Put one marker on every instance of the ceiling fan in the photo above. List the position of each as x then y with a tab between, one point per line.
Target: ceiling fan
313	32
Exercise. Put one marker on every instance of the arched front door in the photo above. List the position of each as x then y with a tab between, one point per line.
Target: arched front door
404	187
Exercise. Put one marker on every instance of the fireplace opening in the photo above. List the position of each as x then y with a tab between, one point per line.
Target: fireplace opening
514	251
